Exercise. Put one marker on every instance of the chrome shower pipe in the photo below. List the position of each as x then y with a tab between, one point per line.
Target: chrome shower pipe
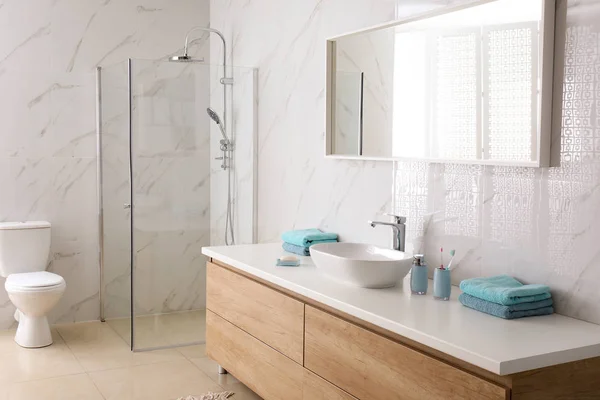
226	146
99	186
225	80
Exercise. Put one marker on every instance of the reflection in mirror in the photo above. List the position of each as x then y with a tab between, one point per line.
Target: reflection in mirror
468	85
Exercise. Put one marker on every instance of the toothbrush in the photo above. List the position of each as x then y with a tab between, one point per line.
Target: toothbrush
441	258
452	253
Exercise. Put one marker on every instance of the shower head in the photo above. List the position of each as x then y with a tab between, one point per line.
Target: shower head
182	58
215	117
185	59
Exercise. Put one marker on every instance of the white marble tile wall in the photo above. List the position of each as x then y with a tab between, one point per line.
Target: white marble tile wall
540	225
48	53
297	186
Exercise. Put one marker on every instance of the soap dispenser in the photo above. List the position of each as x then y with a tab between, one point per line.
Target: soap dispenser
418	275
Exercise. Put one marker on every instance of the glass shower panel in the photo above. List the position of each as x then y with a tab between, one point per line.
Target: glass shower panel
113	147
164	194
170	155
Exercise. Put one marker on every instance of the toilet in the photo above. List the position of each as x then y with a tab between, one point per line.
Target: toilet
24	249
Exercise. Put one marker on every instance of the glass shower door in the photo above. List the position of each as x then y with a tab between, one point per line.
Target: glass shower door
164	194
114	188
170	183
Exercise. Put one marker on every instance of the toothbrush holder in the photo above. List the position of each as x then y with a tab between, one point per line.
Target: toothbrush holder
441	284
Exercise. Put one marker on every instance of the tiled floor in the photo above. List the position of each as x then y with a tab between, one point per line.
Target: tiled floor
163	329
92	361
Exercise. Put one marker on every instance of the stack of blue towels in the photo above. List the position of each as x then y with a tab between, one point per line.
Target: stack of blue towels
505	297
299	242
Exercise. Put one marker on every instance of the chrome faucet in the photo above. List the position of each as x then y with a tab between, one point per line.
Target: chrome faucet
399	229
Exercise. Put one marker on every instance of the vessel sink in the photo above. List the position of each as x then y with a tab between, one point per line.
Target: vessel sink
361	265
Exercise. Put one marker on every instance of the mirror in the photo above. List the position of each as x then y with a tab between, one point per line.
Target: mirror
470	84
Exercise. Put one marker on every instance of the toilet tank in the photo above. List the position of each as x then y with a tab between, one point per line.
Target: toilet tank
24	247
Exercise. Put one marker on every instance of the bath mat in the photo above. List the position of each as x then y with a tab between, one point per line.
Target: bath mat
209	396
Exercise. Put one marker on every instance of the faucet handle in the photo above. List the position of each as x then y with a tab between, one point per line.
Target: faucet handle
397	218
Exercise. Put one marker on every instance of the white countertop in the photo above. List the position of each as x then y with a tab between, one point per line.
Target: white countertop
497	345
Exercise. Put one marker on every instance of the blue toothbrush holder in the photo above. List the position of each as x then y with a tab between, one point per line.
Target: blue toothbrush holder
441	284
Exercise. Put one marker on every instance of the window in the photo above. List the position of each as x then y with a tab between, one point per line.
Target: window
474	91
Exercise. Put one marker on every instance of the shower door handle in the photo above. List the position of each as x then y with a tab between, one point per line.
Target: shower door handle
126	206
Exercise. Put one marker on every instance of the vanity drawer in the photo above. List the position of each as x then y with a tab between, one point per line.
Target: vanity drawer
317	388
267	372
268	315
370	366
264	370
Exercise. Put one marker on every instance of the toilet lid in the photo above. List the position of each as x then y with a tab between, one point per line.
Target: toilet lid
34	279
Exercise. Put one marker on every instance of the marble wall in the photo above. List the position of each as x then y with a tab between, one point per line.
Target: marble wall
537	224
297	186
48	53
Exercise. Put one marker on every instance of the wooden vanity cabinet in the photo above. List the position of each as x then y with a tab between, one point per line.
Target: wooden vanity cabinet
285	346
370	366
266	314
262	368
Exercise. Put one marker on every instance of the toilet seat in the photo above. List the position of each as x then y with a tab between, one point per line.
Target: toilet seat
41	281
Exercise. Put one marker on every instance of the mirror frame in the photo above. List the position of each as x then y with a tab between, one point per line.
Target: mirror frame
546	82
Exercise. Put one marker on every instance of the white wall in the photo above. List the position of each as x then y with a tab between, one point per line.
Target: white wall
297	187
540	225
48	52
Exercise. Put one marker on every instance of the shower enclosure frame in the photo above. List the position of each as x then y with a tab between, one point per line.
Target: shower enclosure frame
100	197
99	193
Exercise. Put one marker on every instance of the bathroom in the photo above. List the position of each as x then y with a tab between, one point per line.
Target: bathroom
536	224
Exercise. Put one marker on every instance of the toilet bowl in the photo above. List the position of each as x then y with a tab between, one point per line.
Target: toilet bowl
34	294
24	248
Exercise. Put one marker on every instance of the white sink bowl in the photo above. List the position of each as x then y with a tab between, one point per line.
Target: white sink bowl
361	265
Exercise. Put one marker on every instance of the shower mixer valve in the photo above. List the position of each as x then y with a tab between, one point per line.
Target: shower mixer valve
226	148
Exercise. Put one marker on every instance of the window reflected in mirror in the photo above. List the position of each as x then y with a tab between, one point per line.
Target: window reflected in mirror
461	86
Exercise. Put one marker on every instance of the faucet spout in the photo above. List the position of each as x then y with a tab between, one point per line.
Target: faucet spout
399	228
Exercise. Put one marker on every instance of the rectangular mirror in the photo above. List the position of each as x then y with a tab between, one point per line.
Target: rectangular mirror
469	84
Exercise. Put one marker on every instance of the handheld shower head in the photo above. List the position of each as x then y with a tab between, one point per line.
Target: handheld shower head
215	117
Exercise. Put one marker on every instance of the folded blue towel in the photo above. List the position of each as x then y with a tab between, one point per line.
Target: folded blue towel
308	237
542	307
292	248
505	290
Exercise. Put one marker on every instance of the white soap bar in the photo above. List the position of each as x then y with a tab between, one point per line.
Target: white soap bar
288	258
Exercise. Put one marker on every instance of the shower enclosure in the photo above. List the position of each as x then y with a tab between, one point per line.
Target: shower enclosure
165	187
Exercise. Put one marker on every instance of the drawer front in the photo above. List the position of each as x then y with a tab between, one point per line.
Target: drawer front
272	317
370	366
317	388
264	370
